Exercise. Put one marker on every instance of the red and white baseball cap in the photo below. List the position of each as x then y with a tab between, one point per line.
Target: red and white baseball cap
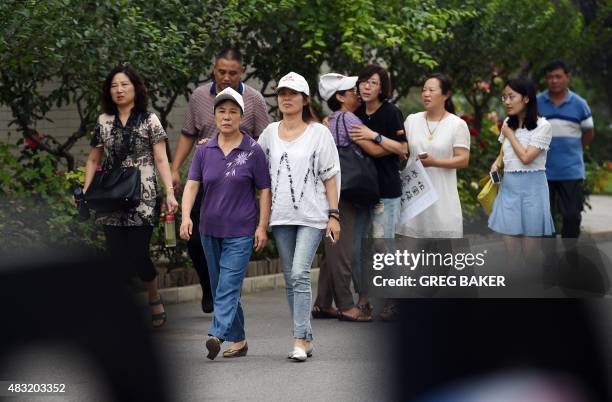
331	83
294	81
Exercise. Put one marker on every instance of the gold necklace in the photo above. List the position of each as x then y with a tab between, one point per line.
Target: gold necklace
431	132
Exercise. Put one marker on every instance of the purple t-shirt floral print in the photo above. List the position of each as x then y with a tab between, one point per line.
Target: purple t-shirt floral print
229	207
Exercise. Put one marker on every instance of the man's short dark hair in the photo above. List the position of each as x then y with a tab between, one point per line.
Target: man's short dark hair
555	65
229	54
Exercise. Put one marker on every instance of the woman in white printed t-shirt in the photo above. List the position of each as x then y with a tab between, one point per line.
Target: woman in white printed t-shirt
445	139
522	206
305	173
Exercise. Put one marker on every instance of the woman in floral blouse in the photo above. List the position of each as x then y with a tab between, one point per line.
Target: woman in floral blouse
128	135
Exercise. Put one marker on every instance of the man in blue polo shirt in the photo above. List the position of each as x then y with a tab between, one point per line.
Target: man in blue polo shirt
572	130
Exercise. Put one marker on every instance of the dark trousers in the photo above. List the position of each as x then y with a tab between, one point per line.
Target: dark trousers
194	248
128	248
336	272
567	198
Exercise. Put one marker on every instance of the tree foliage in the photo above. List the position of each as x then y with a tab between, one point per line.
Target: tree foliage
504	38
55	53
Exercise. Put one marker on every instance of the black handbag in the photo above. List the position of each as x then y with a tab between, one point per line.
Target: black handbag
359	174
115	188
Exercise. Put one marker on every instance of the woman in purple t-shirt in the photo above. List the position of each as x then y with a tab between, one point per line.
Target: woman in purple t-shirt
230	167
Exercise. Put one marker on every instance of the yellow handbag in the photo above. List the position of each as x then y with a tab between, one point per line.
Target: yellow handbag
487	195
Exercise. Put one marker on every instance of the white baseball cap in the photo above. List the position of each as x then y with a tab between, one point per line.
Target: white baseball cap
294	81
229	94
333	82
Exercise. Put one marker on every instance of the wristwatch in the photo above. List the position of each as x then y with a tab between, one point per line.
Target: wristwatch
378	138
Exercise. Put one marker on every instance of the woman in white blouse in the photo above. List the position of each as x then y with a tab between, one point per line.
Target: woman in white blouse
522	205
305	172
442	141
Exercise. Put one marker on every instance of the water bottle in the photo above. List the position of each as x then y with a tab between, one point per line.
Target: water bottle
170	230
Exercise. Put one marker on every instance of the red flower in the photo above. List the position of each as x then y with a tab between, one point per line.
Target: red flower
32	143
485	86
467	118
474	132
482	144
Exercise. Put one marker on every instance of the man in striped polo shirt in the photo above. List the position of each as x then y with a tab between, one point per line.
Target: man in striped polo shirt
199	123
572	129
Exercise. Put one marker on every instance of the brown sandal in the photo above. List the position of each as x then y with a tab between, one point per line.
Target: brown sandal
361	317
367	308
318	312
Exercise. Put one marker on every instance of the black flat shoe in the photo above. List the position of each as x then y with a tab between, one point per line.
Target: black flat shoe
213	344
237	352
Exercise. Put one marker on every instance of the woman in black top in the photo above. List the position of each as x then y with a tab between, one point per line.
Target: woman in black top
384	124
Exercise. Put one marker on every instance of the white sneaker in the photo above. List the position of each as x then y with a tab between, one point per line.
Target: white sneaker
298	354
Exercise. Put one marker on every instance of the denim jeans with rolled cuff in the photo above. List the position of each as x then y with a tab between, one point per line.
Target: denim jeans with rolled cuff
296	247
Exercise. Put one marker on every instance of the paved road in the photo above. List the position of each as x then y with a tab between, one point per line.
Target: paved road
598	218
348	363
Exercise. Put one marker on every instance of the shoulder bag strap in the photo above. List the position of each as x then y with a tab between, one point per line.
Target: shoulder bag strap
335	133
344	124
500	157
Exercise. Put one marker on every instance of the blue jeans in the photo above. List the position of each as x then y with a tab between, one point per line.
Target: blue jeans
296	247
227	259
360	232
385	217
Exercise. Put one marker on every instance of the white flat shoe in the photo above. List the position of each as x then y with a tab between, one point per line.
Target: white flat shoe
308	352
298	354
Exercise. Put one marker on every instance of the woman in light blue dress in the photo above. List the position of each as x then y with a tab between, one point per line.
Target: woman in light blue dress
521	210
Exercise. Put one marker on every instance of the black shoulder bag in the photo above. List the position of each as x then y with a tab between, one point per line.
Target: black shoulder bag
115	188
359	174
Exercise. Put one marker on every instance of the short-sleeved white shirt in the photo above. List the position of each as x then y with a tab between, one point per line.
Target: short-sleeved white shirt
539	137
444	218
298	169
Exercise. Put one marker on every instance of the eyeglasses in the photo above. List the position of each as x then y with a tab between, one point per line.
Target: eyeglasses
510	98
371	83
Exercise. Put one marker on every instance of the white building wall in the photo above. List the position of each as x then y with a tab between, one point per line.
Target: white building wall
65	121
